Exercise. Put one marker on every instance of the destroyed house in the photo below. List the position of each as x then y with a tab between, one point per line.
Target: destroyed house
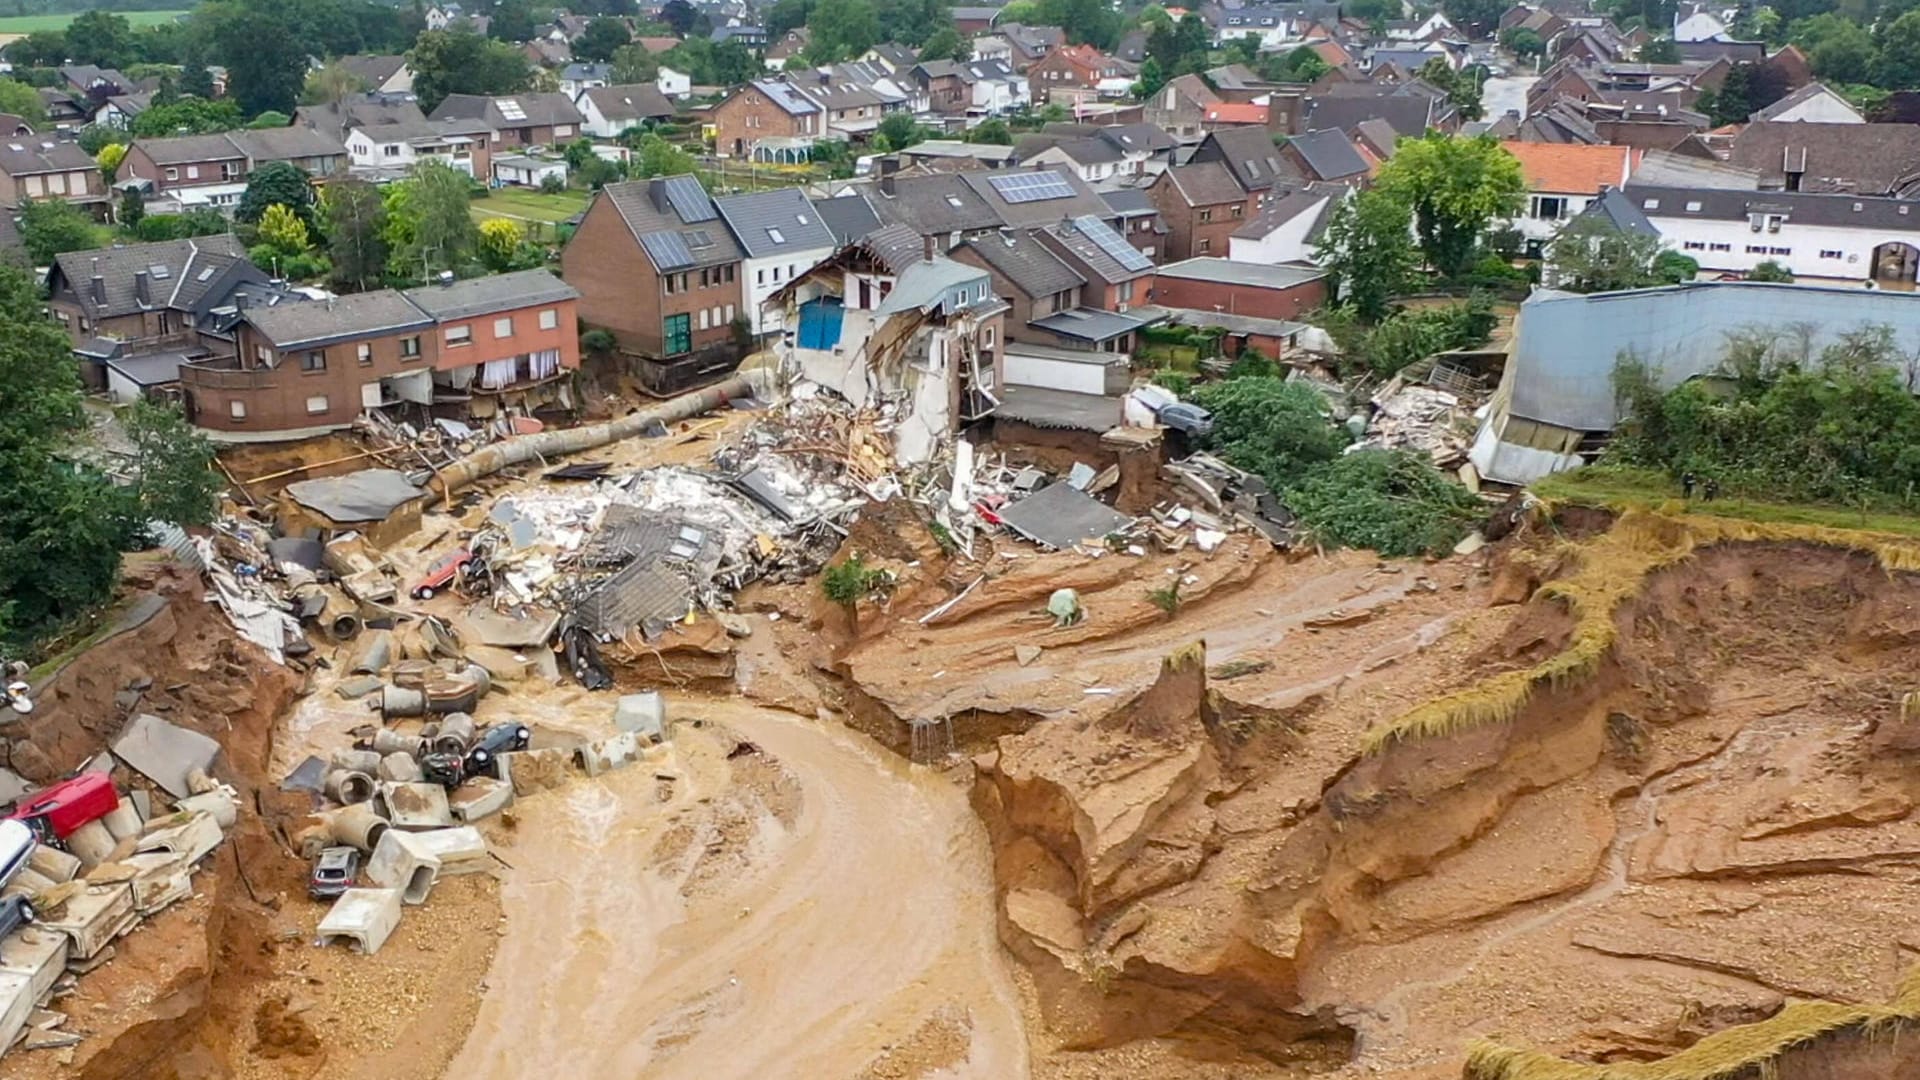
1057	283
658	268
879	324
500	335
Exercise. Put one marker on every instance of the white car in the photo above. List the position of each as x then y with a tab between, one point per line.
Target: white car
16	847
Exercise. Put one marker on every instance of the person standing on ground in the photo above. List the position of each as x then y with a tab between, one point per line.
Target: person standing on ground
1686	484
1713	489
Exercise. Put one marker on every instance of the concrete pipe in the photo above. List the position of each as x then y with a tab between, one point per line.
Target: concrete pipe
401	701
341	617
123	820
362	761
357	826
455	734
387	741
218	803
374	654
29	884
399	768
480	677
91	843
349	788
551	444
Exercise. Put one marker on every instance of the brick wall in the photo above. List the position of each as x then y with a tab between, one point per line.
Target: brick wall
749	116
1238	298
289	398
622	293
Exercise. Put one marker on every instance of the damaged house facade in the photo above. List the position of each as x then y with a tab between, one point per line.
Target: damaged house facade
469	348
888	328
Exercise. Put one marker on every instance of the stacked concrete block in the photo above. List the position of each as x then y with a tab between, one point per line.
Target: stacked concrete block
363	918
457	851
402	863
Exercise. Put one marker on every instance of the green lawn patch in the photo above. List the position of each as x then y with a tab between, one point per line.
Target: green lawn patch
27	24
1625	488
529	204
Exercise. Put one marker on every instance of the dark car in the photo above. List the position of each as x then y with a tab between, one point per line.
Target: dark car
15	912
1193	420
496	740
335	870
447	770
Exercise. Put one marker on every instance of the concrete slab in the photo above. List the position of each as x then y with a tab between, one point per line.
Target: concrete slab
530	771
480	797
363	918
165	753
504	665
53	864
485	626
37	953
460	850
17	1002
93	918
400	862
190	832
163	878
415	806
612	752
645	713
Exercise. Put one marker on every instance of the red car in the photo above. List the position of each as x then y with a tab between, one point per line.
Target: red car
60	810
444	573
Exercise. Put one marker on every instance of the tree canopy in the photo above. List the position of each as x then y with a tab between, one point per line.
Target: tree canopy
1456	187
1367	250
460	62
1591	255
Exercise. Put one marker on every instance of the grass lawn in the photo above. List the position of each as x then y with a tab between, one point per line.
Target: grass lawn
530	204
27	24
1622	488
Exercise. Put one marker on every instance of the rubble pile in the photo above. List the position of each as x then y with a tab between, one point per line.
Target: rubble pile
1422	419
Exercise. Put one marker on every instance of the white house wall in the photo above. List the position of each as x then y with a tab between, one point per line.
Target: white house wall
1050	374
762	283
1809	251
1288	243
1821	109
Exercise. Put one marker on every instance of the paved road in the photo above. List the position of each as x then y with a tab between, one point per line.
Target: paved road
1508	92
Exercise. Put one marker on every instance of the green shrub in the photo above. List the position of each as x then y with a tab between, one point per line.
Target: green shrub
1179	382
1254	364
1390	501
1268	426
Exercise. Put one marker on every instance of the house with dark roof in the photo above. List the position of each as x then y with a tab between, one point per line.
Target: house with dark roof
1134	216
1812	103
1411	108
942	209
1288	227
768	120
362	110
517	120
1020	46
1201	205
387	151
848	217
37	168
63	111
1091	158
212	170
607	111
781	236
1070	285
1180	107
1119	276
382	74
1327	155
1250	155
578	77
1864	159
658	268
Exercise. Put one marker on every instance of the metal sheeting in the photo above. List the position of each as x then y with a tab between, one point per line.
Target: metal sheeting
1059	517
668	250
367	495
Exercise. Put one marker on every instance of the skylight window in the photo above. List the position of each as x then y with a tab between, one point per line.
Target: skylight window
776	235
954	201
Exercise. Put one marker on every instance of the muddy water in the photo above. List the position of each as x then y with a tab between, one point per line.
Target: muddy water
821	941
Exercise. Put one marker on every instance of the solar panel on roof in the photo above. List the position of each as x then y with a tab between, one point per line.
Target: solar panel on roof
1128	256
690	200
1031	187
511	110
667	250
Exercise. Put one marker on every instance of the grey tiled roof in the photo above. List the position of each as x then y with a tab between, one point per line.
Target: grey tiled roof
1870	159
374	69
934	205
1091	324
1206	183
343	318
644	215
190	148
756	218
1081	238
1040	212
1249	154
1128	202
536	110
30	155
896	246
632	101
1329	153
498	292
191	268
367	111
286	143
849	217
1831	209
1026	262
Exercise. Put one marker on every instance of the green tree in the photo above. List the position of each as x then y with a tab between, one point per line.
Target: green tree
109	159
1302	65
23	101
1522	41
332	84
40	49
843	28
459	62
946	44
1478	18
512	21
276	182
1091	22
1660	51
266	60
50	227
282	229
1461	87
633	64
900	130
196	80
913	22
1369	10
1367	250
992	132
269	119
356	219
177	481
849	582
1591	255
133	208
658	157
787	15
1244	49
1152	79
1456	188
1151	16
186	116
600	39
1389	501
98	37
443	229
1846	57
1771	271
1898	65
499	244
1270	426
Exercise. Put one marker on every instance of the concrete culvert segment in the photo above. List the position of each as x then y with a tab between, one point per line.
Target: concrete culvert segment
348	786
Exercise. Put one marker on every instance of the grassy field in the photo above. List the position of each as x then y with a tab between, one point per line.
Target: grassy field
27	24
1624	489
528	204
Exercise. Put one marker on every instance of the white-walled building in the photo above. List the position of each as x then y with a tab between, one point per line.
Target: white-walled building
783	238
1288	227
401	145
1812	104
674	84
1824	238
1562	179
607	111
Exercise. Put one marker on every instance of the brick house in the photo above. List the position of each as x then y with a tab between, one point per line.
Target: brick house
519	120
300	368
946	86
1180	108
33	168
765	109
1119	277
1068	67
1201	205
212	170
1237	288
657	267
1057	297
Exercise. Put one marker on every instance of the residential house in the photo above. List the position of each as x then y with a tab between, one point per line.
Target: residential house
1136	219
1812	103
388	151
144	295
1070	68
1411	108
945	85
658	269
791	45
1180	107
753	37
1202	205
1238	288
1250	155
365	110
877	322
1698	24
952	155
674	84
975	20
1091	158
212	170
1327	156
119	112
995	87
548	54
848	217
852	109
1052	302
501	337
1132	47
1275	25
578	78
1561	181
382	74
606	111
1819	237
896	58
1119	277
1033	197
36	168
781	236
94	85
943	209
1864	159
765	119
519	120
63	112
1288	227
1234	114
1020	46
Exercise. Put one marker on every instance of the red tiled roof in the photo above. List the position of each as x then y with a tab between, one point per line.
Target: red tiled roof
1233	112
1573	168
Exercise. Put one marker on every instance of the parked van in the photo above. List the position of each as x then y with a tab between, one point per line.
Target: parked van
56	812
16	847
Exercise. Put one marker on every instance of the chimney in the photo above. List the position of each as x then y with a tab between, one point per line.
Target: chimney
99	284
657	194
141	291
240	301
887	183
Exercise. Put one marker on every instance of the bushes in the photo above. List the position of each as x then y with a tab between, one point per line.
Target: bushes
1391	501
1409	336
1271	427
